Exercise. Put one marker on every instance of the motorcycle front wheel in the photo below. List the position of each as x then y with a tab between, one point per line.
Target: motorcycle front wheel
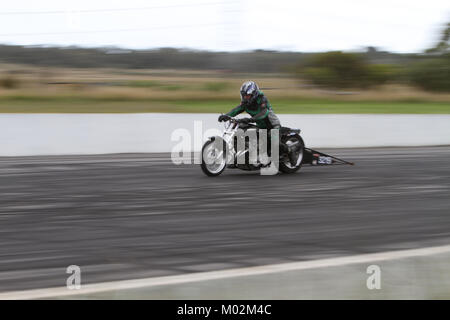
213	158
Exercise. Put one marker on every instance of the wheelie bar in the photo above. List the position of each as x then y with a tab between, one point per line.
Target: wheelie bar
316	158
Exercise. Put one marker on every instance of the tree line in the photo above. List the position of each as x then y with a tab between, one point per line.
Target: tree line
167	58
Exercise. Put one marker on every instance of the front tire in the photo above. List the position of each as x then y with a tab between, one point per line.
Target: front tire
213	158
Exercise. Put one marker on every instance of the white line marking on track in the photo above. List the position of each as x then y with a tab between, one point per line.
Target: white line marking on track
222	274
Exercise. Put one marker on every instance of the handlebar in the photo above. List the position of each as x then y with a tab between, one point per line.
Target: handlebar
233	120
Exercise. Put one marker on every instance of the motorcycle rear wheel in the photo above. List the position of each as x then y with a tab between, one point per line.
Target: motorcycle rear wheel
285	165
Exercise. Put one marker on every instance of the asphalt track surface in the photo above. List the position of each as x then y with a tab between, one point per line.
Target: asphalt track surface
138	215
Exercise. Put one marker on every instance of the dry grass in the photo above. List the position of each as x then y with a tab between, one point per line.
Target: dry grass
172	85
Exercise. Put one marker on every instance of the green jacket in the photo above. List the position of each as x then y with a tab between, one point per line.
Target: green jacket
259	110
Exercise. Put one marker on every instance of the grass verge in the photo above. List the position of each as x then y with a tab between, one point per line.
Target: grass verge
305	106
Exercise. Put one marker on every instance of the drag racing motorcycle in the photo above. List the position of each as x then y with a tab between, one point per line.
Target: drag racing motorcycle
221	152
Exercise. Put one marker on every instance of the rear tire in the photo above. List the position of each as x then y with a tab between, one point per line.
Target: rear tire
285	165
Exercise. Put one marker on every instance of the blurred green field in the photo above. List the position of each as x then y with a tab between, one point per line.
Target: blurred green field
63	90
307	106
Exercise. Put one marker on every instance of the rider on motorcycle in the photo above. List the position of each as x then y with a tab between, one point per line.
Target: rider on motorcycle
255	103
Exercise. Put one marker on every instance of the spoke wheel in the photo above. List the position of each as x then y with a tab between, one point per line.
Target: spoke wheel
213	159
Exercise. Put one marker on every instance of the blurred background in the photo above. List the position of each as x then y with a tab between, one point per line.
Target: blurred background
99	191
147	56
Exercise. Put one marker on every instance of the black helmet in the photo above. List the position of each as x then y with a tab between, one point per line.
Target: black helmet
249	92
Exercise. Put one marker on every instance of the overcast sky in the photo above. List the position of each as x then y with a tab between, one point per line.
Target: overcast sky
394	25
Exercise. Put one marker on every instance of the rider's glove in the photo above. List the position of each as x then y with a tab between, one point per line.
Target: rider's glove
223	117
